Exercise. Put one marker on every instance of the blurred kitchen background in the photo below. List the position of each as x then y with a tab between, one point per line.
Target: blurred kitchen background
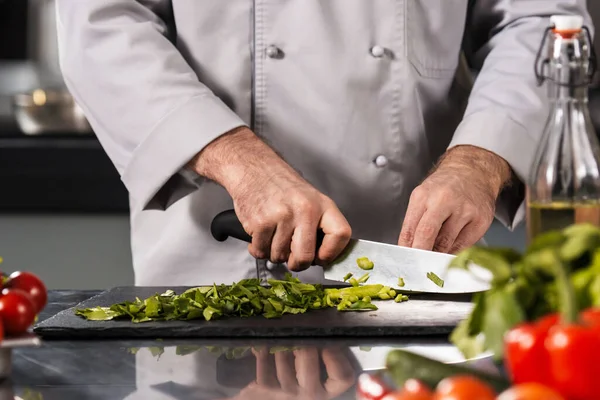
63	208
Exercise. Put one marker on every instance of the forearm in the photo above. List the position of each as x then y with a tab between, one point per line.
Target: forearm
236	159
487	163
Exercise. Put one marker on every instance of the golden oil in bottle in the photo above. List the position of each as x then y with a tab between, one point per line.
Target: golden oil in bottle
543	217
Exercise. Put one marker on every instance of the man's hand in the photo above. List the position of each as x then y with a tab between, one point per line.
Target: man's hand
276	206
296	375
454	207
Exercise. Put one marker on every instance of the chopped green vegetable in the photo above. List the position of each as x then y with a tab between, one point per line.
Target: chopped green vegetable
365	263
363	278
400	282
435	279
347	276
242	299
400	298
354	282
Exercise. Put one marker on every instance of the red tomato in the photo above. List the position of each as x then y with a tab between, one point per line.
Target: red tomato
32	285
1	331
417	387
530	391
370	387
463	388
17	311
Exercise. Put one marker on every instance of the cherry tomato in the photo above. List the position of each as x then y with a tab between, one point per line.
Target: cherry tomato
530	391
417	387
32	285
370	387
463	387
17	311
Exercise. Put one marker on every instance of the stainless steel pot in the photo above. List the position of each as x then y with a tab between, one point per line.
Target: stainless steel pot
49	111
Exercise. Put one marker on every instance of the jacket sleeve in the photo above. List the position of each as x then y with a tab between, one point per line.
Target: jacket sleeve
144	102
507	110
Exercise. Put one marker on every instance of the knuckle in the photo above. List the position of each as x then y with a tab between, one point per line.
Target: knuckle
281	212
342	232
418	194
258	223
302	203
445	197
458	246
470	213
443	242
304	257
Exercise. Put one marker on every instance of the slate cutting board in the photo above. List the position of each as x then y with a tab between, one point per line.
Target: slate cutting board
421	315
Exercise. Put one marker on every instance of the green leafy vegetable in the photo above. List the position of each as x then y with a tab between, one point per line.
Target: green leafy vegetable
365	263
242	299
435	279
523	286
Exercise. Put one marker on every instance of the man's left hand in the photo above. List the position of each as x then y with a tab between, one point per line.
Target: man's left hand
455	205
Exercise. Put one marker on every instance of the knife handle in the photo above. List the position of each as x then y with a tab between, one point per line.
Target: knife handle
227	224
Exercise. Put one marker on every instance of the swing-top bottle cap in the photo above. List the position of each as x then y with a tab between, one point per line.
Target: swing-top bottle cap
567	23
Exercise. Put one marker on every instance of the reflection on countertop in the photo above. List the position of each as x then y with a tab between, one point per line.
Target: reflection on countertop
203	368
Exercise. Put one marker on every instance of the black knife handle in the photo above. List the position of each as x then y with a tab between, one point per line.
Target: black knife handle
226	224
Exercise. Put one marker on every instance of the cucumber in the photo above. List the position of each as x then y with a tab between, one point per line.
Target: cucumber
403	365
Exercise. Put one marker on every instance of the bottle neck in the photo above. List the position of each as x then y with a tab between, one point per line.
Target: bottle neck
568	70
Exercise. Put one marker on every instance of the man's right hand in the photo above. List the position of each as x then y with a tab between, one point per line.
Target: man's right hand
276	206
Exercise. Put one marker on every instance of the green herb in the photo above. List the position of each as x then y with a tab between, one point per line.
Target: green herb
524	286
242	299
400	282
435	279
347	276
364	263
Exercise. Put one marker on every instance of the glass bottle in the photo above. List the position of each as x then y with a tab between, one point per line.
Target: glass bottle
564	182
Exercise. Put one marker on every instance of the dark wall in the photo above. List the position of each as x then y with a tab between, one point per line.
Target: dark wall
13	27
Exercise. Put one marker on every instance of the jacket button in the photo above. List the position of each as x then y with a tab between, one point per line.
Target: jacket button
273	52
381	161
377	51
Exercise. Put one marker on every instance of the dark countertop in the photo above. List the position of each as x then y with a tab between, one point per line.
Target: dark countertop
192	369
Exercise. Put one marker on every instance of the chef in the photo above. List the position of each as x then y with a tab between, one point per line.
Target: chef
354	116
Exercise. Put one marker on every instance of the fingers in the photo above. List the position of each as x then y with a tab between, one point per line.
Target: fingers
280	246
286	372
441	220
469	235
265	368
416	209
303	246
337	235
308	372
449	232
429	227
262	235
340	372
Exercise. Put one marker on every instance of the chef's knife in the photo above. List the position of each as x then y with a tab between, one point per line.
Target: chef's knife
390	262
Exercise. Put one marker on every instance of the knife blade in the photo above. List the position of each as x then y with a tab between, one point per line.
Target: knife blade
390	262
